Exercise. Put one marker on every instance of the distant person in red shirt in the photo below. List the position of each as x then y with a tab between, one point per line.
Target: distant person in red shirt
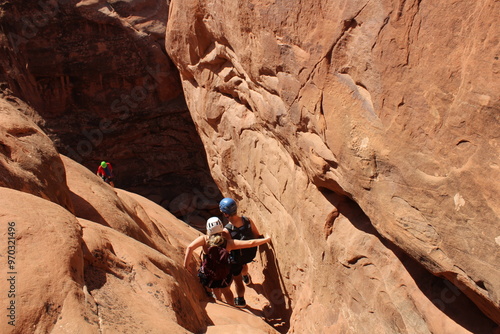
105	171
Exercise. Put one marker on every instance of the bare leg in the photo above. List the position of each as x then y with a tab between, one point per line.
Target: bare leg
245	270
239	286
218	294
228	295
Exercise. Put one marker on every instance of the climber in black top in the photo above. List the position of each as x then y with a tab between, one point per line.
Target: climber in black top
215	271
240	228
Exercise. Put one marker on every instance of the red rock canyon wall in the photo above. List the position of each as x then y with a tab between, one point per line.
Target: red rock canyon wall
307	107
78	256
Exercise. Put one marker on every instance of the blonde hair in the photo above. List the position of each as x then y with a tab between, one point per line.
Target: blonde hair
215	240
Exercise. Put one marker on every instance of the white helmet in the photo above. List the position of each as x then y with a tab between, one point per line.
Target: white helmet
214	225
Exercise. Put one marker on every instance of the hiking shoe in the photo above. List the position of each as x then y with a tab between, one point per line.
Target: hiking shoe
240	302
210	294
247	280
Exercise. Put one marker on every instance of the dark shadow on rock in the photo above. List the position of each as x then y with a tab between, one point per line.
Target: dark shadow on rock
255	311
351	210
279	310
85	210
267	314
182	305
100	262
94	273
95	278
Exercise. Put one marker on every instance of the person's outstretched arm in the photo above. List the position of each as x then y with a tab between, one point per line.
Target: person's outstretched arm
239	244
226	234
198	242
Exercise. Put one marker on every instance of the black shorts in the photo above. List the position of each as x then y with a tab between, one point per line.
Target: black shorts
236	269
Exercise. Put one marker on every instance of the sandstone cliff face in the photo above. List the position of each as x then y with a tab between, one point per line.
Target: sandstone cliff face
306	107
113	264
361	135
98	74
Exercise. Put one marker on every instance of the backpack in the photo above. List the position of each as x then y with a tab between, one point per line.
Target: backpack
246	255
215	265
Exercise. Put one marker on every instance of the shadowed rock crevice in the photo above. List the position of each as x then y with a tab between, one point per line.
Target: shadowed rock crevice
106	90
279	309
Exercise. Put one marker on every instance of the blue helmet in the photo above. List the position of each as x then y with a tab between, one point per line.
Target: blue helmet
228	206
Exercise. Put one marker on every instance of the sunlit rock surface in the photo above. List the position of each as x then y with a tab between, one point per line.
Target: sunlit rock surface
309	109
